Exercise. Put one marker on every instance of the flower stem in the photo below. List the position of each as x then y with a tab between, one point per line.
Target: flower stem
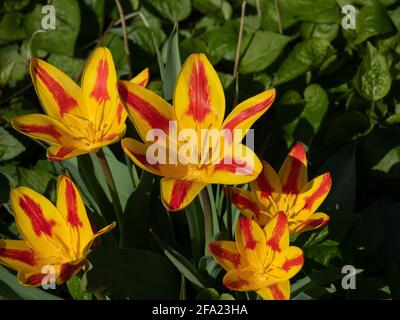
125	35
208	219
278	15
113	190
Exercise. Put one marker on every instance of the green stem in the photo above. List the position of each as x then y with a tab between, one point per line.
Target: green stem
229	220
208	219
113	190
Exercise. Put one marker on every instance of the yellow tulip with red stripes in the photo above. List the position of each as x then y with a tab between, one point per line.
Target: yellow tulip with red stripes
259	259
57	237
287	191
198	104
82	119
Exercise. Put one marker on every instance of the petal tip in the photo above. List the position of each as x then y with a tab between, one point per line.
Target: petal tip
298	152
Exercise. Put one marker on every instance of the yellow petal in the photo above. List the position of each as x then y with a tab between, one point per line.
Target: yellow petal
70	205
176	194
199	98
241	167
243	280
69	269
43	127
33	277
277	233
247	112
276	291
99	80
250	240
287	263
40	223
16	254
267	186
146	109
317	220
59	153
293	173
313	194
245	202
58	93
142	79
137	152
104	230
226	254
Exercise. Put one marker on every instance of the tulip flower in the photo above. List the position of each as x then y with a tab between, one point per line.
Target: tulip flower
56	238
289	192
82	119
198	104
259	259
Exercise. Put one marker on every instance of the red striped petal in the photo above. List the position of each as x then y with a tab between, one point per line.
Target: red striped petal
33	210
64	101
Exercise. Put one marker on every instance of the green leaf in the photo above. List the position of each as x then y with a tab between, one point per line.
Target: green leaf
319	30
5	73
15	5
181	263
207	6
137	214
210	7
307	55
70	66
195	219
5	186
342	167
23	292
120	173
173	65
173	10
83	173
324	253
11	27
395	16
343	126
317	11
381	152
134	274
208	294
372	20
10	147
263	50
314	280
143	37
292	11
62	39
92	25
75	289
37	178
373	79
302	121
9	54
223	40
368	235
